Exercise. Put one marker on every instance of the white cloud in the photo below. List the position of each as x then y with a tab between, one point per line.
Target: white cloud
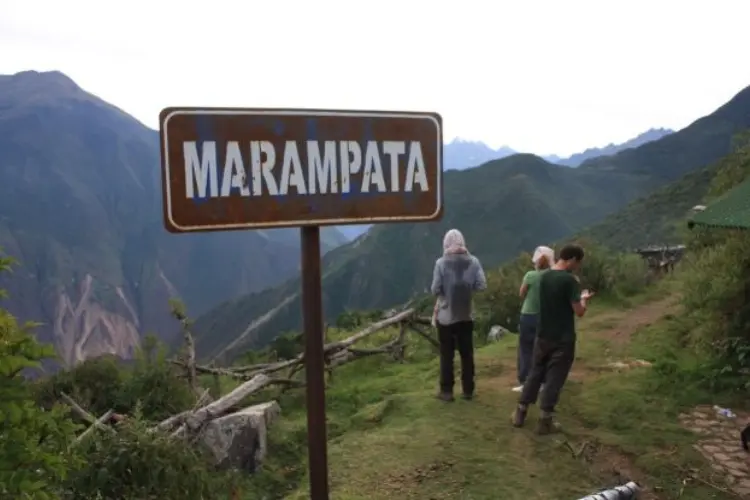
543	76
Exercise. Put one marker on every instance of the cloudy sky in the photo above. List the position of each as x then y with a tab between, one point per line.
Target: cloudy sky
542	76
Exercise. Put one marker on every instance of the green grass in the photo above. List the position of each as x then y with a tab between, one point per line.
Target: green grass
389	438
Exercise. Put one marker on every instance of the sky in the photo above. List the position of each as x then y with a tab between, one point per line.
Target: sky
543	76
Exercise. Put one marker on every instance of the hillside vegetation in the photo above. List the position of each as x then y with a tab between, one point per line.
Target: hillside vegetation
502	207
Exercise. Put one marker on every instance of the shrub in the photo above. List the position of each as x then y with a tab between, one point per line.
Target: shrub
156	385
715	283
33	458
105	383
136	464
607	272
95	384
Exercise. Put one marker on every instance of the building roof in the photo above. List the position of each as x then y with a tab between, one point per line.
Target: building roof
731	210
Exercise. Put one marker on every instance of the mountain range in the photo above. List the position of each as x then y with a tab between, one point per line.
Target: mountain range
80	209
503	207
460	154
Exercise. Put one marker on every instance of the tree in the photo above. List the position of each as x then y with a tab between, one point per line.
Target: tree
33	456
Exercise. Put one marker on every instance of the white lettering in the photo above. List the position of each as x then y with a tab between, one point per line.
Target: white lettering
320	171
291	170
393	149
261	170
351	162
323	167
373	170
234	171
415	171
200	170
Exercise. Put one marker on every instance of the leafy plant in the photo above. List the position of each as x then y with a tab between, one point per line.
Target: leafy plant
33	455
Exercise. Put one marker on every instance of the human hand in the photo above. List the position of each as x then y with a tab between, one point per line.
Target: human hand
587	294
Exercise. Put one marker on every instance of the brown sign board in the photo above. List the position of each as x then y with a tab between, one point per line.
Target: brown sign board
229	168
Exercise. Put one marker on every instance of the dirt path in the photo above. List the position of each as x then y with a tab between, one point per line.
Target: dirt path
615	330
619	326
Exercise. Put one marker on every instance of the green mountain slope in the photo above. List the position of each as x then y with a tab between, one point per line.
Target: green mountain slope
502	207
661	216
80	209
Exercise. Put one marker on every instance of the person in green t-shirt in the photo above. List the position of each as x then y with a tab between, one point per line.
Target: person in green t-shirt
543	258
560	300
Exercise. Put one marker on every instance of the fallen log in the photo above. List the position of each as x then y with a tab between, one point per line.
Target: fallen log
221	405
329	350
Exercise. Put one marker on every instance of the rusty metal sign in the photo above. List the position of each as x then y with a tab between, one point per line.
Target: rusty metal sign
226	169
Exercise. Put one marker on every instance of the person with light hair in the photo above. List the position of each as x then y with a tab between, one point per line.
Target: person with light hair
543	259
455	278
560	301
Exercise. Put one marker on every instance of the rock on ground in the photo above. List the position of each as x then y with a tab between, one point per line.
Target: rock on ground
239	440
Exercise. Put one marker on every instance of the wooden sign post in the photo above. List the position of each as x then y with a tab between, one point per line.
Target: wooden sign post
230	169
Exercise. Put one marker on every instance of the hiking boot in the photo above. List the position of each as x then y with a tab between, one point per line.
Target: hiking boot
445	396
547	425
468	396
519	416
518	388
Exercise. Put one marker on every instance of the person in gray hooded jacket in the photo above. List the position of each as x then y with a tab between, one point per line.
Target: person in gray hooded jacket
457	275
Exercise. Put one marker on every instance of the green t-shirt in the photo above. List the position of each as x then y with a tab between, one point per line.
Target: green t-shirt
531	301
558	290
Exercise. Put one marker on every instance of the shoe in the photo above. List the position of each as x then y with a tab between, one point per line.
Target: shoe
467	396
518	388
519	416
547	425
445	396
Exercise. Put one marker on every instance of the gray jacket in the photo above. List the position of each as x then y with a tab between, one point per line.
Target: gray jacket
455	278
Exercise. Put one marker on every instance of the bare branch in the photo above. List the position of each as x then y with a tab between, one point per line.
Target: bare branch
78	410
98	423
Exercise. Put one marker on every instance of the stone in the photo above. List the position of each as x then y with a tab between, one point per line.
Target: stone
711	448
721	457
240	440
496	333
736	472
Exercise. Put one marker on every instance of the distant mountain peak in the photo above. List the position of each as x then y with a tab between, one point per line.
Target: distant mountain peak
650	135
38	87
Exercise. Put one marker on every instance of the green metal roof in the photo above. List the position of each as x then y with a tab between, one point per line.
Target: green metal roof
731	210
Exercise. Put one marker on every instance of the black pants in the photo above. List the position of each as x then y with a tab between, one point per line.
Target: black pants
551	365
457	336
526	337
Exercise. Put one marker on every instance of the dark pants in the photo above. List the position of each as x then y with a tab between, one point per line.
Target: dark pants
458	336
551	363
526	337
